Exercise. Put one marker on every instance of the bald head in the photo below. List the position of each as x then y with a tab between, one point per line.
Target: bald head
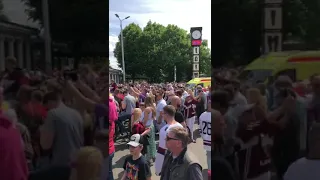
283	82
315	83
175	100
217	122
215	114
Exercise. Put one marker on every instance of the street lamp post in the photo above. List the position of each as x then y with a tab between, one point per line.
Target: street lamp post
47	36
122	47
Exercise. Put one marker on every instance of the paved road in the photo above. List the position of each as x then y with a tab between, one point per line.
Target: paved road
122	151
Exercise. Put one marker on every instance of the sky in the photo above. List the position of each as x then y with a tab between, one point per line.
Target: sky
15	11
183	13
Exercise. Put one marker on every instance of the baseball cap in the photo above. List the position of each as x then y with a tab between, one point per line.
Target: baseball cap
135	140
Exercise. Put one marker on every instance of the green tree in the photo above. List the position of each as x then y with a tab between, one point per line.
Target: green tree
76	22
132	54
175	51
3	17
155	50
205	59
152	55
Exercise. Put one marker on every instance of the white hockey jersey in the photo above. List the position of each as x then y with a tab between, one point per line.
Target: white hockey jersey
205	129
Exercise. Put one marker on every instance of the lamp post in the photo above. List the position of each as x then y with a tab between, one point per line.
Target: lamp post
122	47
47	36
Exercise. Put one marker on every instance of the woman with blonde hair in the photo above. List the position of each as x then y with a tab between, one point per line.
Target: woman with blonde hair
135	117
254	96
87	165
147	118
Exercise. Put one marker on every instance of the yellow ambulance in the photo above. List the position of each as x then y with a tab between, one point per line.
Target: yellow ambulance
298	65
203	81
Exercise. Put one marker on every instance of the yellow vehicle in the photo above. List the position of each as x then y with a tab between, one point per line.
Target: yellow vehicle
298	65
203	81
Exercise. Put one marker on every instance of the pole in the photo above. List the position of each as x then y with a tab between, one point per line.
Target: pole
47	37
122	47
175	73
122	51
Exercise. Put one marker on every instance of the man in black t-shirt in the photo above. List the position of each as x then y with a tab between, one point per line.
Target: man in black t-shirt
135	165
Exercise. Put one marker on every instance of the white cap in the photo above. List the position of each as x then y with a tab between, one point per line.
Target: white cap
135	140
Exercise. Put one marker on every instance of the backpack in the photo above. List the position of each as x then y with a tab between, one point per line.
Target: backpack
138	128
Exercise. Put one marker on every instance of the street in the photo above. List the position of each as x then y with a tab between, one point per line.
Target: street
122	151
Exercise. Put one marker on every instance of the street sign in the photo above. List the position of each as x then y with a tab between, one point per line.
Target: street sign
196	40
195	67
195	74
273	18
196	36
195	58
196	50
273	1
273	42
273	22
196	33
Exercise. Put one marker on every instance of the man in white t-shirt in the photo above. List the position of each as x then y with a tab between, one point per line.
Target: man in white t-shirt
168	115
161	103
307	168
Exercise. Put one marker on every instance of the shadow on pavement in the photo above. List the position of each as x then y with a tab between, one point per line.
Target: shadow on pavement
119	163
121	146
120	175
205	173
196	134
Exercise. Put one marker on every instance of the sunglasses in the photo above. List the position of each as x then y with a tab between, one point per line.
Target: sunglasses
169	138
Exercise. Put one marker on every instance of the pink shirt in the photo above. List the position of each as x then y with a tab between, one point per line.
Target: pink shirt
13	164
113	116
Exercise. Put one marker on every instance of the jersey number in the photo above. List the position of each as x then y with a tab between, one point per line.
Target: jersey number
206	128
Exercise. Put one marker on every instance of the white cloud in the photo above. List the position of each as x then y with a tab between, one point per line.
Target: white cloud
183	13
112	45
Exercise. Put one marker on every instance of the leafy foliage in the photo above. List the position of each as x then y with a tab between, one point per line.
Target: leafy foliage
237	39
153	52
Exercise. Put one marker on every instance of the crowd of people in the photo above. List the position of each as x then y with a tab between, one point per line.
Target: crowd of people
64	125
169	111
53	126
265	132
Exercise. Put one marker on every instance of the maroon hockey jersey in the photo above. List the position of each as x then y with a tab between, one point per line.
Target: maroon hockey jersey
252	156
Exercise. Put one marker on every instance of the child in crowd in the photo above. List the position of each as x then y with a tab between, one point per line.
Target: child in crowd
135	165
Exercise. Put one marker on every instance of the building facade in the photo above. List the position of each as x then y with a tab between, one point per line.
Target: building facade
115	74
15	41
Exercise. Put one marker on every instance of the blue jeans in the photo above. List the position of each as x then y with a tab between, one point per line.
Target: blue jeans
209	159
110	174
